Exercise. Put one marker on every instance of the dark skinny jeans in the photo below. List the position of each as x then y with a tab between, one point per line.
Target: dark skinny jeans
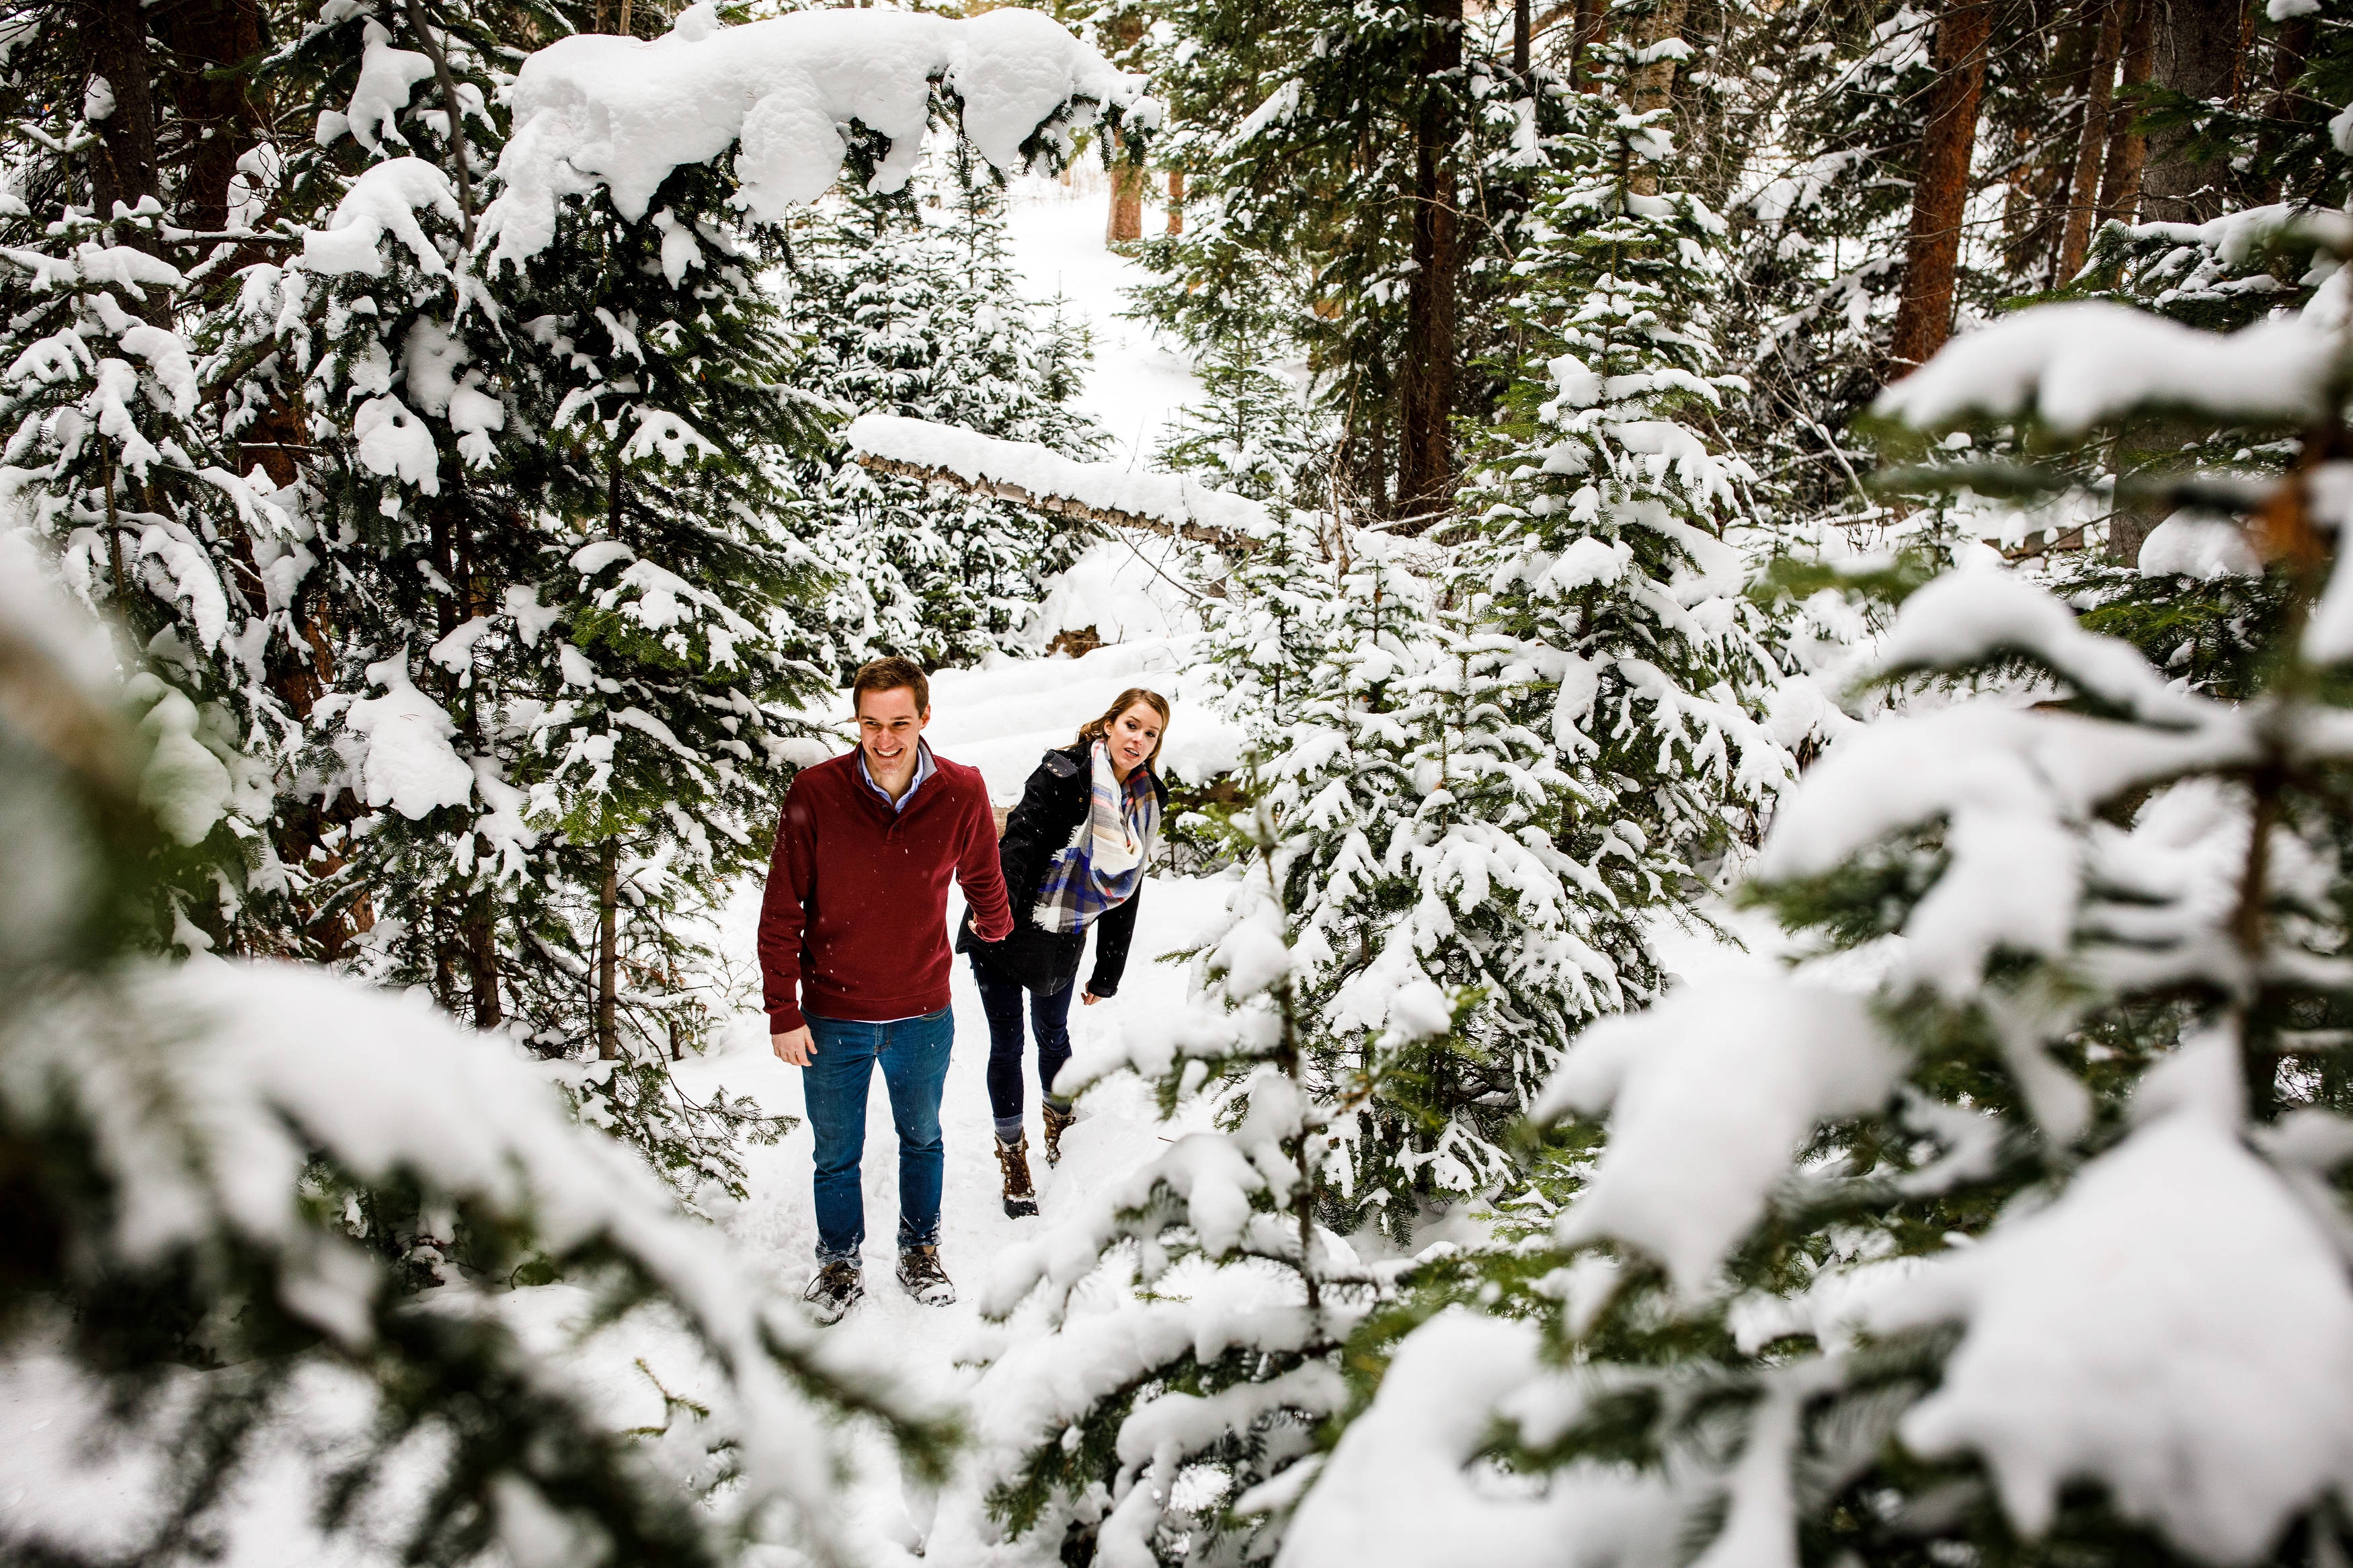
1049	1019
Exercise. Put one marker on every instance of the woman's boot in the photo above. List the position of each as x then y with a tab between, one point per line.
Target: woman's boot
1057	1123
1013	1160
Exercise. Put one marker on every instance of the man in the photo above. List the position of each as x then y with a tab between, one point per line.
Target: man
854	963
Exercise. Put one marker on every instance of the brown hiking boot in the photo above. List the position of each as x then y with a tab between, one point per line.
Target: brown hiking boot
922	1277
829	1295
1057	1123
1013	1159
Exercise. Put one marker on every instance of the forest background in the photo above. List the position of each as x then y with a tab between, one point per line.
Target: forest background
1878	465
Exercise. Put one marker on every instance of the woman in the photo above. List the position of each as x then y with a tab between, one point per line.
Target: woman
1074	853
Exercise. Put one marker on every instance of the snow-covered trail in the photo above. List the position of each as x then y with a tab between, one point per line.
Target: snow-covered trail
1136	381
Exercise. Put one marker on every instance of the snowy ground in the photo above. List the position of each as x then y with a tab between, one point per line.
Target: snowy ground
1136	381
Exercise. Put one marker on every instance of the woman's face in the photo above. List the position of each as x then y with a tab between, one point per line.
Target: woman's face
1131	737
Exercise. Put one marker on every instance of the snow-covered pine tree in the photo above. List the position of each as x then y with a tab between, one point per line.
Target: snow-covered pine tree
1172	1428
1606	526
193	1156
513	661
916	311
1251	431
2025	1241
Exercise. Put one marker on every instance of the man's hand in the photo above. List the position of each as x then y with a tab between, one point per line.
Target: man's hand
794	1046
1089	998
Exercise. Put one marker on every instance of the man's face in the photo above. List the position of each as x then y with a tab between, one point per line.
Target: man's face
888	726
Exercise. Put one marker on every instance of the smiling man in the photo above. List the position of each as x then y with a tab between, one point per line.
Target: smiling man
854	962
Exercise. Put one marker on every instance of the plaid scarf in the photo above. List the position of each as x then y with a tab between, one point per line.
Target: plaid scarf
1105	862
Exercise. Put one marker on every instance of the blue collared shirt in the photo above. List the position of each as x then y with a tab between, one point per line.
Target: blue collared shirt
923	770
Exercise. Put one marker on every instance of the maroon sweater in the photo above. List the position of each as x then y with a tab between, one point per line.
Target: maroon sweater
855	923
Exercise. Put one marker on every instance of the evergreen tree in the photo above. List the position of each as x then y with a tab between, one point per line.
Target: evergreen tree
924	319
1607	551
2079	1133
1175	1427
1250	434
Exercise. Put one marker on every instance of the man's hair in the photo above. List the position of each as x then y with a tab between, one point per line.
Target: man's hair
890	675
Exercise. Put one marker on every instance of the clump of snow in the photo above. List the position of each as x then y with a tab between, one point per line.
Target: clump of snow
2075	365
385	199
406	762
2177	1326
1712	1094
597	111
1401	1490
2190	544
1123	590
184	784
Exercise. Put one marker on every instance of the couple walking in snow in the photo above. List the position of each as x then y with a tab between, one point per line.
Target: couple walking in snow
854	955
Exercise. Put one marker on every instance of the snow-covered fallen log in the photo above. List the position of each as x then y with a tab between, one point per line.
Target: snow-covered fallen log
1034	475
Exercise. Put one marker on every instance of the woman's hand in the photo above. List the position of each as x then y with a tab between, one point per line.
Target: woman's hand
1089	998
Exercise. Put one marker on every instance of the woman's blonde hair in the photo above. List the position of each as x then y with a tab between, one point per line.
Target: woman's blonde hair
1095	730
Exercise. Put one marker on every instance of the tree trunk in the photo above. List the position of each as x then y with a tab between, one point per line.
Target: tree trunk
1654	85
1940	197
1126	222
214	114
2127	149
1522	30
1175	200
113	38
480	931
2287	108
1592	18
2196	54
608	901
2083	192
1425	446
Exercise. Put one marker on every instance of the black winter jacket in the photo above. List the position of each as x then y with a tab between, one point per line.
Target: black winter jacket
1053	804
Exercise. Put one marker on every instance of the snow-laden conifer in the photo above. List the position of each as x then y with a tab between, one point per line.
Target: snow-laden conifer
916	311
2023	1231
1164	1428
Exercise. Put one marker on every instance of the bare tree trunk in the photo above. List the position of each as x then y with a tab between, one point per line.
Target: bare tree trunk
1126	222
213	106
1175	200
481	938
1592	18
2285	107
2083	191
1523	32
1654	85
2128	150
1426	447
113	38
2197	55
1940	197
609	903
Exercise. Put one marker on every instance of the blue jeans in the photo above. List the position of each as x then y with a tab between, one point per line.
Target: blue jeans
913	1053
1049	1020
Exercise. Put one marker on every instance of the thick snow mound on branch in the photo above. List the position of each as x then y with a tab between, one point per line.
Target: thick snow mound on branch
385	199
1712	1093
1169	499
2178	1326
1401	1490
598	110
2075	365
406	761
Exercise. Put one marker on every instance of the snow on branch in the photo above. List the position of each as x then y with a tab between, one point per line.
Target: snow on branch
2077	365
1030	475
601	109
